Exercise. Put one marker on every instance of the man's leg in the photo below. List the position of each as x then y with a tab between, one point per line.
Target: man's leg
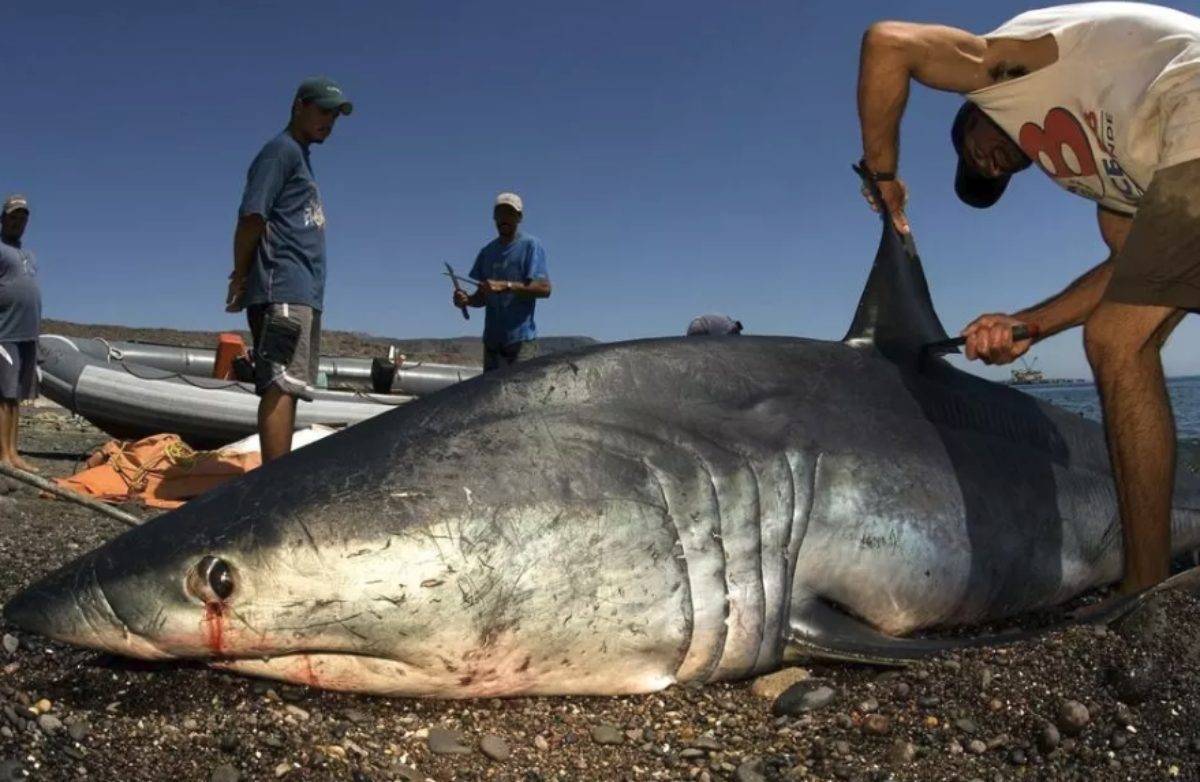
1123	343
276	421
9	410
26	389
491	359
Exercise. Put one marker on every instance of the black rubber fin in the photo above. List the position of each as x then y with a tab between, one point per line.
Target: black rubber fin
895	312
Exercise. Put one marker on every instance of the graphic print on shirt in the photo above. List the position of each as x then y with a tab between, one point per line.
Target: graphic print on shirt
314	214
1062	148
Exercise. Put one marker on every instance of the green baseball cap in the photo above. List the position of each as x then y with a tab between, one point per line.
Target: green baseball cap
324	92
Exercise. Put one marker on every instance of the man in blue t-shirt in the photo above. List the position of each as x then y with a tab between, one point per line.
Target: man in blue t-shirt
20	322
279	262
511	273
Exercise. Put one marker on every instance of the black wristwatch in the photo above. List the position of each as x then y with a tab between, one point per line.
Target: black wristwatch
876	176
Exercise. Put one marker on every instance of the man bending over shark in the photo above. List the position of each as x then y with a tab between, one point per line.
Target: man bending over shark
1105	98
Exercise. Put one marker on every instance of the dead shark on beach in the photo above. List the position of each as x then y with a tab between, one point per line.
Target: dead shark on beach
623	517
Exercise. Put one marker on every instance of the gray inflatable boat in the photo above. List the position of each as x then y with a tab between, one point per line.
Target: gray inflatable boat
412	379
98	380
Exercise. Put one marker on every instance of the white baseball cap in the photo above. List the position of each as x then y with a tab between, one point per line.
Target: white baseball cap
510	199
15	202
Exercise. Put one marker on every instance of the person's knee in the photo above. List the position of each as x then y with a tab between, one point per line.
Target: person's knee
1112	342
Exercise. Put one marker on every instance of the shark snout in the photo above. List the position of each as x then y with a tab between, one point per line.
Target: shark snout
71	606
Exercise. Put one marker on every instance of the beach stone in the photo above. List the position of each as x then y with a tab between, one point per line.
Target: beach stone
877	725
750	770
282	770
49	724
11	644
976	747
803	696
356	716
296	712
494	747
540	742
1048	738
901	752
443	741
773	685
868	706
1123	715
1073	717
409	774
966	725
225	773
607	734
1145	623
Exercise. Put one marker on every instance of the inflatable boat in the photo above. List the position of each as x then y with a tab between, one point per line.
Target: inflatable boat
131	400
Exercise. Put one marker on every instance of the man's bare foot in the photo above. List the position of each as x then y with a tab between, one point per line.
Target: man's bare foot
17	463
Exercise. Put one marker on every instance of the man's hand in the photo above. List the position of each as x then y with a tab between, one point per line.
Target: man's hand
496	286
461	299
989	338
895	195
236	293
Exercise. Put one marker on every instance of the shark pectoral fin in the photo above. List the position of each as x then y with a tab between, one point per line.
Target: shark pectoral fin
820	630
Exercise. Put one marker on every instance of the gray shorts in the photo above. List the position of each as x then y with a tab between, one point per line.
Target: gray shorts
495	358
18	370
295	376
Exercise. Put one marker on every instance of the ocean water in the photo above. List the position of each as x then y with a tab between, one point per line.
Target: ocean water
1081	398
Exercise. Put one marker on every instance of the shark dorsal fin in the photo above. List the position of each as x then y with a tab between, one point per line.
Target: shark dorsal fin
895	312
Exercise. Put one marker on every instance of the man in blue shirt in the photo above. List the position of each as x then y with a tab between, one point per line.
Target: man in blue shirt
279	262
512	276
20	322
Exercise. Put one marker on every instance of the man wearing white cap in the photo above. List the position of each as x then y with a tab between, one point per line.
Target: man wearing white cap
512	276
20	322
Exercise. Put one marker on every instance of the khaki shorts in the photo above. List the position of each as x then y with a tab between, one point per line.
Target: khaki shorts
1160	262
296	377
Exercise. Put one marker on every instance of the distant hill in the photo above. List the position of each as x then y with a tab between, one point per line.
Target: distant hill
457	350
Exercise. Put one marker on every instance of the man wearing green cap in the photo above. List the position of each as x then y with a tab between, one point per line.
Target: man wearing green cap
1105	99
279	261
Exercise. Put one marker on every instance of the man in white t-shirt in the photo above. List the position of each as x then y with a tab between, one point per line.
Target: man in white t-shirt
1105	99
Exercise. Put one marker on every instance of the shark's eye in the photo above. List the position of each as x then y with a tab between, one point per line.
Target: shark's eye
213	579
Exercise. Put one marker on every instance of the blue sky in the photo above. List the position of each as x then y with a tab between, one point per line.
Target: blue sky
675	158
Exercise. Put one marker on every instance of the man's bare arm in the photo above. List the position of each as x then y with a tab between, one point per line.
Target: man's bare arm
245	243
534	289
893	53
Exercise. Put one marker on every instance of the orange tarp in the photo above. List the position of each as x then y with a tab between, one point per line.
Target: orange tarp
161	471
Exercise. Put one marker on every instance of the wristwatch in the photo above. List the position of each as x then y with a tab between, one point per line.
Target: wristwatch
876	176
